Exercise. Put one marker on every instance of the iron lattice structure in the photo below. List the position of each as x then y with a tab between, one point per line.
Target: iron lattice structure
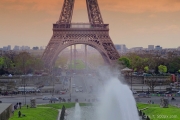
95	34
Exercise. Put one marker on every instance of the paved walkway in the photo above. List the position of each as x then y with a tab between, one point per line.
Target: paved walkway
59	115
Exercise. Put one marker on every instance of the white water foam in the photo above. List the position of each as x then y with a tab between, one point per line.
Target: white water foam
117	102
77	112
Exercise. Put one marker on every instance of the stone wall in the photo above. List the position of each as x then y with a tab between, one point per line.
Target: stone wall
135	79
29	81
6	114
142	79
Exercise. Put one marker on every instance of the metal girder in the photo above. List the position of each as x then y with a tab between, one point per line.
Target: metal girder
66	13
95	34
94	13
100	40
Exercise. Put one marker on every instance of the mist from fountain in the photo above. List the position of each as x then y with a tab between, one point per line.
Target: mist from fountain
77	112
116	102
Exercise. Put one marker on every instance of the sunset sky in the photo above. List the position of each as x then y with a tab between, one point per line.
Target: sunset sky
132	22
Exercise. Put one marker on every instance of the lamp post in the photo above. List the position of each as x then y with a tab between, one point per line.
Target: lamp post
24	91
178	77
53	86
131	80
70	88
52	78
160	86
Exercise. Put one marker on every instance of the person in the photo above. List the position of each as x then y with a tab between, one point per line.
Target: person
27	106
19	114
173	98
14	107
13	112
17	105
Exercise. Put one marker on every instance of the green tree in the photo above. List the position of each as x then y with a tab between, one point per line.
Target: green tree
146	68
6	63
125	61
173	65
26	63
137	62
1	62
61	62
162	68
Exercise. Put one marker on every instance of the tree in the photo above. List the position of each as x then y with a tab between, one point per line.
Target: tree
22	62
26	63
153	81
152	84
6	65
1	62
162	68
62	113
61	62
173	65
95	60
125	61
146	68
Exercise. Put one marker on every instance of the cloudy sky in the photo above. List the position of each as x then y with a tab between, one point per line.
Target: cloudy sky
132	22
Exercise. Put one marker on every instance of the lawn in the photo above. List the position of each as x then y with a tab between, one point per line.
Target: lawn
43	112
39	113
157	113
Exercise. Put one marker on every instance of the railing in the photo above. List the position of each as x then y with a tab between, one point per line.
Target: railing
81	26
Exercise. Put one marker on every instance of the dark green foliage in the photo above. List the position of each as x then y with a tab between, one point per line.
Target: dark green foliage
147	118
140	113
21	63
125	61
62	113
151	61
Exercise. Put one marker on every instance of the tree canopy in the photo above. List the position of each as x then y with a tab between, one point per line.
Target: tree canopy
21	63
152	63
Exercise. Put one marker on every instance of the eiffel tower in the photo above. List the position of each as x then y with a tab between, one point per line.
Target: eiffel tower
95	34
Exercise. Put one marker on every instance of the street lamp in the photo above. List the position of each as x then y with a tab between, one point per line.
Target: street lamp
24	90
160	86
178	77
131	80
70	88
52	78
53	86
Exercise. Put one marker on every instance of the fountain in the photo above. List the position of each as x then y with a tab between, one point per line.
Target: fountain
77	112
117	102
